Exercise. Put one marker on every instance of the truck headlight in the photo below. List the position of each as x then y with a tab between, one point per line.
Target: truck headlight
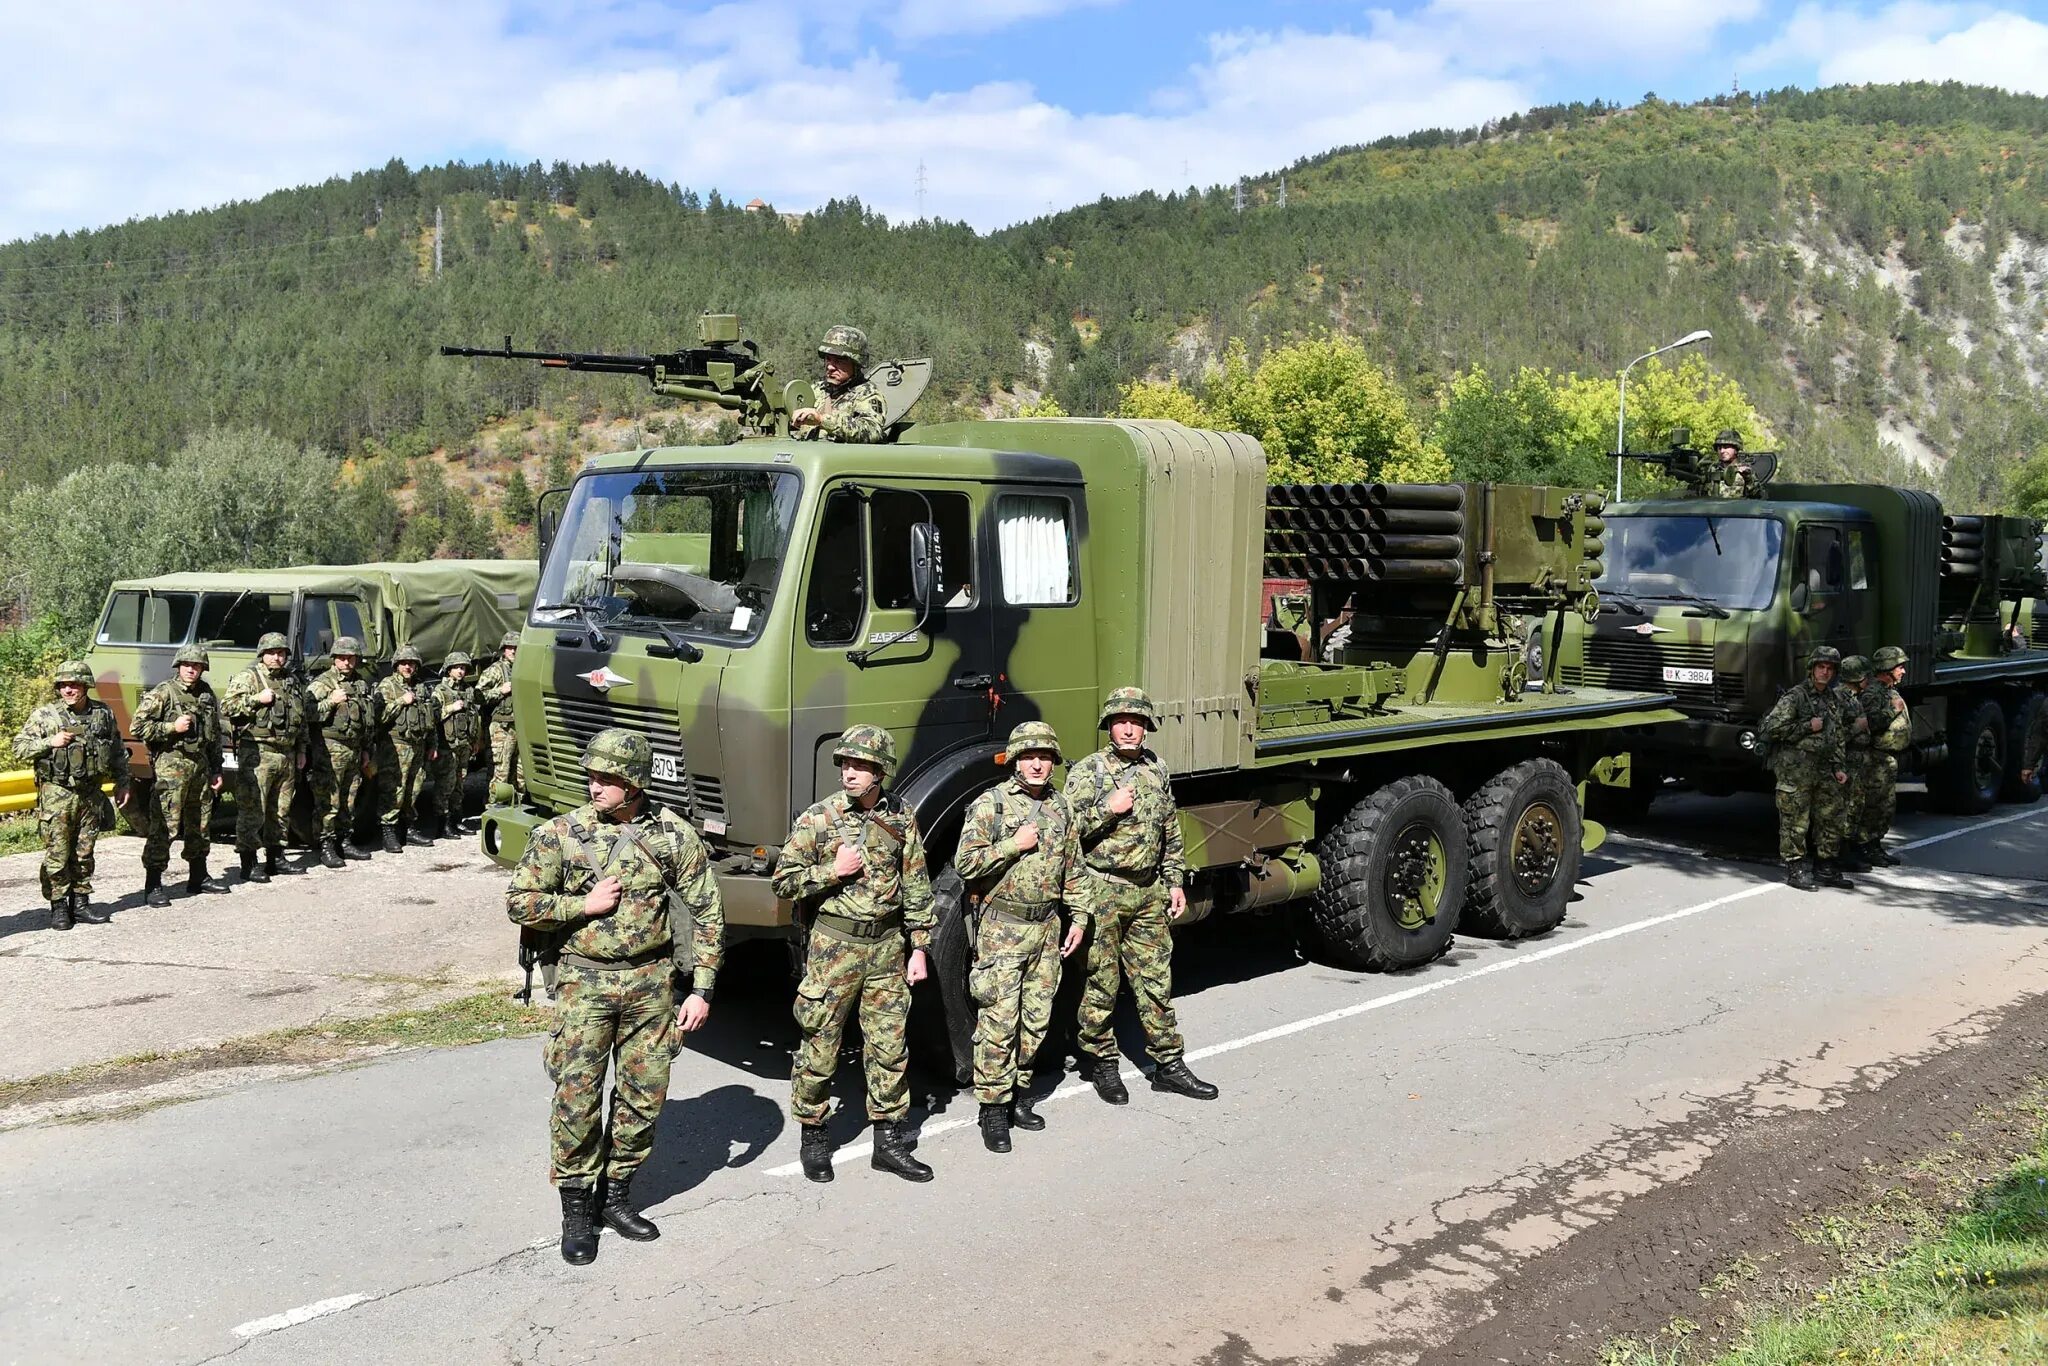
1747	740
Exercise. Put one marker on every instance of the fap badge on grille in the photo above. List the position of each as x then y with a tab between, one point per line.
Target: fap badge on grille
603	679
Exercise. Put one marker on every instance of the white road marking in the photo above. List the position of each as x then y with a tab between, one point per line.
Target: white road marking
855	1151
292	1318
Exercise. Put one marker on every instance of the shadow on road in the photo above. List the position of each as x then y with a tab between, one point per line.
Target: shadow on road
726	1127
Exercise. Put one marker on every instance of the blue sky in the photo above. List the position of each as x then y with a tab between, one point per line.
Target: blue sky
124	108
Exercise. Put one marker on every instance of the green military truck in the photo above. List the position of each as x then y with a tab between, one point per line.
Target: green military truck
1719	601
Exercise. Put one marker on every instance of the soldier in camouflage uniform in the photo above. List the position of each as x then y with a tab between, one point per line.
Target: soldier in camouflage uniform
494	690
1730	476
1808	760
1851	683
267	708
1891	731
854	863
409	724
1021	856
850	407
1122	800
344	709
614	880
179	720
74	746
462	736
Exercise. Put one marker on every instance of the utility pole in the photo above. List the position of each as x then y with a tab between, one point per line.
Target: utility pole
920	189
437	241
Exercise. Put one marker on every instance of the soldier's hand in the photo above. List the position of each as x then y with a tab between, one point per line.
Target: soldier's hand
267	696
407	699
1176	903
603	898
60	739
302	761
505	690
123	796
804	417
917	969
1027	836
218	782
1841	777
332	700
182	724
1075	933
1898	703
847	861
451	707
692	1013
1816	724
1120	800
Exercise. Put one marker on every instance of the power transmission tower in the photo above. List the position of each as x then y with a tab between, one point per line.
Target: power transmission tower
1237	199
920	189
437	241
1283	192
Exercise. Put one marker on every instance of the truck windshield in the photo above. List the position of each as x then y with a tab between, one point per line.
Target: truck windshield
1731	562
698	550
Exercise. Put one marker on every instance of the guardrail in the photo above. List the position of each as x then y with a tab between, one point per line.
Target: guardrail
17	792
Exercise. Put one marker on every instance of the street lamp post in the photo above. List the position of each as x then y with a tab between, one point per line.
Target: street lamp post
1621	405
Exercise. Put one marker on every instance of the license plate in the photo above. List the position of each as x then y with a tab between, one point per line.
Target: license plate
227	760
1676	675
666	769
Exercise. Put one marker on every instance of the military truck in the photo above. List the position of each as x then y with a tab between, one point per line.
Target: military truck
1719	601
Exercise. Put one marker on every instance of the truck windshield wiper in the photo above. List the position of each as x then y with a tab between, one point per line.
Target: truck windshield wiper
1706	605
685	650
1621	599
594	633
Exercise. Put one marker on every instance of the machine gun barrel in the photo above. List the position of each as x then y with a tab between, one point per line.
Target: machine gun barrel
597	361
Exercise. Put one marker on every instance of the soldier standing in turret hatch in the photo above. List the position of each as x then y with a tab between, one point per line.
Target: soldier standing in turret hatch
850	408
1730	476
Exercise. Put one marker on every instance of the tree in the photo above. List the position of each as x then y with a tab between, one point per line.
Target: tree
518	504
1325	413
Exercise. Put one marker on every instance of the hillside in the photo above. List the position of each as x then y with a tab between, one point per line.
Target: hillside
1873	263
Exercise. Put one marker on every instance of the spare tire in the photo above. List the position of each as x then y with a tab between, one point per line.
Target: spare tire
942	1016
1393	879
1524	830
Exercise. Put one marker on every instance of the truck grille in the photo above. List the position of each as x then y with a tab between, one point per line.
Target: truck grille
2040	636
1638	666
573	721
707	798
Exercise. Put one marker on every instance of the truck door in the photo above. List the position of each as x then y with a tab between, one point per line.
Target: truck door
860	652
1831	590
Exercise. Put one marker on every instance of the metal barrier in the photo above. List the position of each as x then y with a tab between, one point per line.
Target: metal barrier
17	792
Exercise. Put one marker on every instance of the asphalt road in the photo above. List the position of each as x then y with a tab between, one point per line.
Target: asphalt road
1386	1148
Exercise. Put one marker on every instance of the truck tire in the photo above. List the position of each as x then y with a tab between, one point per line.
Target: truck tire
1393	879
1968	780
2019	729
942	1017
1523	829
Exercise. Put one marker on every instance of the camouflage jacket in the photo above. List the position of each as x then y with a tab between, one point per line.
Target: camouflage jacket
414	721
487	684
461	731
663	874
988	856
1789	728
1730	481
281	723
156	720
93	755
1891	726
1857	722
893	878
1142	841
353	719
853	413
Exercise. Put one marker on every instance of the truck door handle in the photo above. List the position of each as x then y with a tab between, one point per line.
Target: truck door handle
973	682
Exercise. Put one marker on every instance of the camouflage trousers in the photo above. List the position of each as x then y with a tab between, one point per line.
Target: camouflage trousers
505	759
181	809
266	780
338	785
401	770
70	822
623	1019
1131	941
1810	803
838	973
1876	781
449	771
1016	975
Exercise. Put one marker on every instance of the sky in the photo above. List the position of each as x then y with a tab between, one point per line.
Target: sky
117	109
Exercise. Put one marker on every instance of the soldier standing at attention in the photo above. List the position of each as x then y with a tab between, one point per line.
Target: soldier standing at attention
494	690
406	714
1122	799
850	408
344	710
179	720
462	737
267	708
73	745
1730	476
1021	853
614	878
857	858
1859	760
1891	730
1807	758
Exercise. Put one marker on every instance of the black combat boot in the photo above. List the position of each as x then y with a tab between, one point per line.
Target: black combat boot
198	880
892	1156
82	911
391	845
1852	860
1878	855
60	912
416	836
1799	875
1830	875
252	873
816	1153
579	1236
1175	1077
995	1127
330	854
453	827
274	864
615	1211
153	888
1023	1115
1108	1085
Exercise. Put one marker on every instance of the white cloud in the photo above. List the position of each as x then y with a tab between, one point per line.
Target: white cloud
1516	35
915	19
1912	42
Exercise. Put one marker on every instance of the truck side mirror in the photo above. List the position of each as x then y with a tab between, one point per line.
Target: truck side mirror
926	564
1800	597
547	519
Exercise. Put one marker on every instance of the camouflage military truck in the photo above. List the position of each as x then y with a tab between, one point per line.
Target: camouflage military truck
1385	764
1719	601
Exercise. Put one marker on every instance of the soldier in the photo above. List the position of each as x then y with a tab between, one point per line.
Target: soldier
612	879
856	860
850	408
73	745
1853	683
1807	758
1122	799
267	708
408	720
494	690
462	736
179	720
1021	856
1730	476
345	726
1891	730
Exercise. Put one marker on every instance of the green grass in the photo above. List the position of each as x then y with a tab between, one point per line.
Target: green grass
18	835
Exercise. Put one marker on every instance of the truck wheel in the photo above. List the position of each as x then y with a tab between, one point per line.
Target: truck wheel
1523	828
942	1018
1393	879
1968	780
2022	756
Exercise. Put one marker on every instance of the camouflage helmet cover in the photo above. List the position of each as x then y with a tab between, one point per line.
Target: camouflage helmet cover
71	671
192	654
620	753
273	640
509	640
871	743
458	659
1728	436
1824	654
1033	735
1855	669
407	653
850	343
1888	657
1129	702
346	645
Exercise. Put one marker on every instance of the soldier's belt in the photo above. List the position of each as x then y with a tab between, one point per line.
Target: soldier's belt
849	928
1125	879
638	960
1029	912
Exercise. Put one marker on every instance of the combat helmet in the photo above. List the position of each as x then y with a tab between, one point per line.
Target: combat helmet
408	653
871	743
1824	654
1728	436
71	671
192	654
457	659
508	641
1855	669
346	645
848	343
1129	702
273	640
1033	735
621	753
1887	657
